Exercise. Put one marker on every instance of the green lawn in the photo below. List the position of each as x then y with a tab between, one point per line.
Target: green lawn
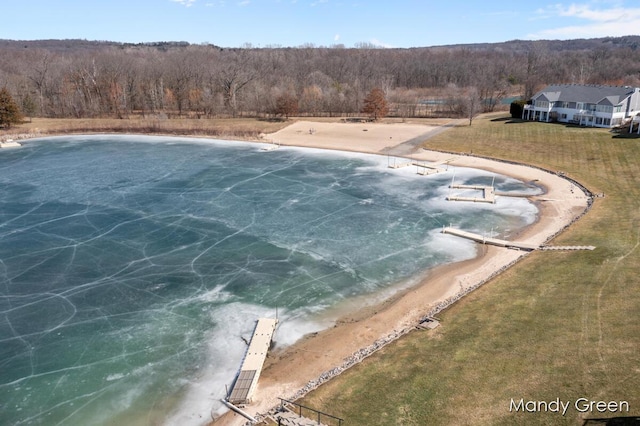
557	325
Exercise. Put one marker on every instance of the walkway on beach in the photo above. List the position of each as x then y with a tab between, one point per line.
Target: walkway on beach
410	146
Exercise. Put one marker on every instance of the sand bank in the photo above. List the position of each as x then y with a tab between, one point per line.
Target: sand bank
291	371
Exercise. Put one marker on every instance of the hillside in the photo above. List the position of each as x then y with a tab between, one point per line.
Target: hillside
89	79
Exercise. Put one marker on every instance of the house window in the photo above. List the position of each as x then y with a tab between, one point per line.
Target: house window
572	105
563	116
599	120
604	108
618	108
579	105
542	104
607	122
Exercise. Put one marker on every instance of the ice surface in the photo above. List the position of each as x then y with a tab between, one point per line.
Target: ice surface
131	267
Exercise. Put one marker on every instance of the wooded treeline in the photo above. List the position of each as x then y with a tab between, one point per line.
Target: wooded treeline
68	78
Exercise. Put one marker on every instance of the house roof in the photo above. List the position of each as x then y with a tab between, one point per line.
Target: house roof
592	94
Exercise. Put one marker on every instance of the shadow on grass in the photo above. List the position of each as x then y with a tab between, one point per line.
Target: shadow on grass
613	421
508	120
626	136
273	119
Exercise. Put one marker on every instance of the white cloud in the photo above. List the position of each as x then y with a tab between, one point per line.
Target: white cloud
596	22
244	3
336	37
379	43
185	3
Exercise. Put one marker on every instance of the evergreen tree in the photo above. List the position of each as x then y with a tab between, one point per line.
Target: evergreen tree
375	104
9	110
516	108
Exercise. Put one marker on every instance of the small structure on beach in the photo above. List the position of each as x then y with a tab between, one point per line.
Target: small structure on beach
428	323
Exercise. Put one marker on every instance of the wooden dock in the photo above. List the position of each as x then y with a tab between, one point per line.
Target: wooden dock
247	379
422	168
510	244
488	194
488	240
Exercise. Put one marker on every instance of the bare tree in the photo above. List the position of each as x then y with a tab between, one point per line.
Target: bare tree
473	104
236	73
534	69
110	79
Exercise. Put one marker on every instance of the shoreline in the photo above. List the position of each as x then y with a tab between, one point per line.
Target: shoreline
292	371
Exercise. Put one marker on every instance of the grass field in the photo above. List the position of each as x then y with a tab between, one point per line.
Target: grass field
225	128
232	128
557	325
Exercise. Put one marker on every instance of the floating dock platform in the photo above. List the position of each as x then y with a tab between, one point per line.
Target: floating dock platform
488	194
247	379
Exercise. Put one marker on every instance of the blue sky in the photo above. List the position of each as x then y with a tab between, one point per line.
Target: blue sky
262	23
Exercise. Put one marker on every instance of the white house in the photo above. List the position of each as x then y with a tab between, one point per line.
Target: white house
586	105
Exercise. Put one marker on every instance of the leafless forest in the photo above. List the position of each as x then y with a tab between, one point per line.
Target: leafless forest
78	78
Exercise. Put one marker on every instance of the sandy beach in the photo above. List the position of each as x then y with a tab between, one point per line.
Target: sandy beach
292	370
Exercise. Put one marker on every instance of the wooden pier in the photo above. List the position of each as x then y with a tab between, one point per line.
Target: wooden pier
247	379
422	168
510	244
488	240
